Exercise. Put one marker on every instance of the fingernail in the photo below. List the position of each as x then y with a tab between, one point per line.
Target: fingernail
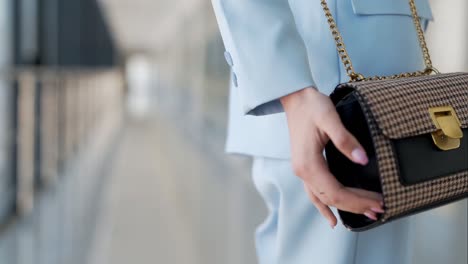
359	156
378	210
371	216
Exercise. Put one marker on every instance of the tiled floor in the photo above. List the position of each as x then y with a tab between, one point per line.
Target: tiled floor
173	200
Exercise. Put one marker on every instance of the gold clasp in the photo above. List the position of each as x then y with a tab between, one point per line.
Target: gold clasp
449	131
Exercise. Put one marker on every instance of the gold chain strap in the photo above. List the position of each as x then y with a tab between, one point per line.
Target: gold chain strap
348	65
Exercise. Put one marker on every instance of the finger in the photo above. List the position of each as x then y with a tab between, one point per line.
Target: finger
371	215
317	175
330	192
371	195
359	204
366	193
324	210
344	141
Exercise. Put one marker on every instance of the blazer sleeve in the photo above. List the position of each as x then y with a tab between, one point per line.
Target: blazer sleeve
265	50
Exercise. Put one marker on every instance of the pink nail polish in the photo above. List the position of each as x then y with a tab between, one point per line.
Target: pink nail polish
370	215
378	210
359	156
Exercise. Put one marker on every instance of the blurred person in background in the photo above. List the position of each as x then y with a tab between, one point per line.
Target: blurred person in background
284	64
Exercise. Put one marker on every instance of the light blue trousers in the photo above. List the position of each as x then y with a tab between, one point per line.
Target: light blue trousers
295	233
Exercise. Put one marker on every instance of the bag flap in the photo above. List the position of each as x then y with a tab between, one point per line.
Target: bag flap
391	7
401	107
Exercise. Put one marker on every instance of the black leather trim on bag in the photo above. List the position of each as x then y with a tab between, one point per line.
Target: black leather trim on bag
419	160
349	173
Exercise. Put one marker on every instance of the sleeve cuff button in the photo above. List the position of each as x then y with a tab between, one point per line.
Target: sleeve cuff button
234	79
228	58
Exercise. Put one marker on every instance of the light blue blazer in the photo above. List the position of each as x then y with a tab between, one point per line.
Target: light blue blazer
277	47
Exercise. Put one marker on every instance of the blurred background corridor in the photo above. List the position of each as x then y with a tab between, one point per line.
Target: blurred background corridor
112	127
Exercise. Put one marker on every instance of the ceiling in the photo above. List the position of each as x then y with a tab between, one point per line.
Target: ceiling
147	25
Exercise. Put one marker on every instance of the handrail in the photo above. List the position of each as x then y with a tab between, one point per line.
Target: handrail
13	73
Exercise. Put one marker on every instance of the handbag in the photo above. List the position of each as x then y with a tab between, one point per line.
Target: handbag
414	128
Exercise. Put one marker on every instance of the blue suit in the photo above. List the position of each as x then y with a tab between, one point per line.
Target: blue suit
277	47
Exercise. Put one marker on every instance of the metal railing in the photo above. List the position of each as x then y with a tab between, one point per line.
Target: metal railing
50	116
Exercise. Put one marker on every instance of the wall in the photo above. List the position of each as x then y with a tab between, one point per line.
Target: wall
448	35
6	111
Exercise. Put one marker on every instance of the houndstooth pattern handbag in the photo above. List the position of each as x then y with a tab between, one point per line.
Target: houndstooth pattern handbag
414	128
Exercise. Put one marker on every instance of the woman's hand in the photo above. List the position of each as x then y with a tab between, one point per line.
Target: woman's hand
312	122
